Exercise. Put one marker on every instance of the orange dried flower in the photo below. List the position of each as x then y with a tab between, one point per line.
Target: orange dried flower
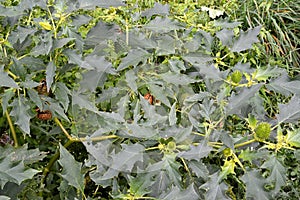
43	115
149	98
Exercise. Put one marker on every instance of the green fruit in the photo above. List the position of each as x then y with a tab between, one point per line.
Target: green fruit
236	76
262	131
171	146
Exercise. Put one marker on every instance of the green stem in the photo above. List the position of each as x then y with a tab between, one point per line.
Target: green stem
244	143
12	129
51	162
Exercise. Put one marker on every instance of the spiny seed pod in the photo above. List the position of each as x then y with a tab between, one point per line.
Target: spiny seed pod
236	76
262	131
149	98
43	115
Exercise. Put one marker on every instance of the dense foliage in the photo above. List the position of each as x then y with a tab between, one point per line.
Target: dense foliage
144	100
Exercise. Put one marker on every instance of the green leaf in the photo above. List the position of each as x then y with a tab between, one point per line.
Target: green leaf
131	80
50	74
61	94
76	59
175	193
100	33
277	172
196	152
215	189
71	169
293	138
172	115
237	101
246	40
140	185
251	155
255	185
197	59
20	33
59	43
83	102
159	94
225	35
264	74
12	168
91	4
170	167
289	112
177	79
199	169
158	9
124	160
284	85
163	25
5	98
133	58
138	131
5	80
21	112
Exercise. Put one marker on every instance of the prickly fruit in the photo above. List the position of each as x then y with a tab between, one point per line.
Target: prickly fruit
236	76
262	131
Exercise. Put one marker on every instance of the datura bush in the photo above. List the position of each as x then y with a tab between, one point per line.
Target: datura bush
111	100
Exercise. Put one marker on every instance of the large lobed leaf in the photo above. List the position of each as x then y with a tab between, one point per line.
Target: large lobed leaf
12	164
71	169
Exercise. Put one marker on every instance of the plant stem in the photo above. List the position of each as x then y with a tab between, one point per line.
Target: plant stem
244	143
56	120
51	162
12	129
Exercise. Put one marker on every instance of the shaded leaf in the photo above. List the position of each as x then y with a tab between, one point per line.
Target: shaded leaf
159	93
246	40
61	94
131	80
225	35
83	102
172	115
140	185
215	189
255	185
5	98
162	25
101	32
196	152
177	79
75	58
199	169
127	157
197	59
277	172
5	80
21	112
284	85
237	101
133	58
158	9
50	74
91	4
12	168
175	193
71	169
289	112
